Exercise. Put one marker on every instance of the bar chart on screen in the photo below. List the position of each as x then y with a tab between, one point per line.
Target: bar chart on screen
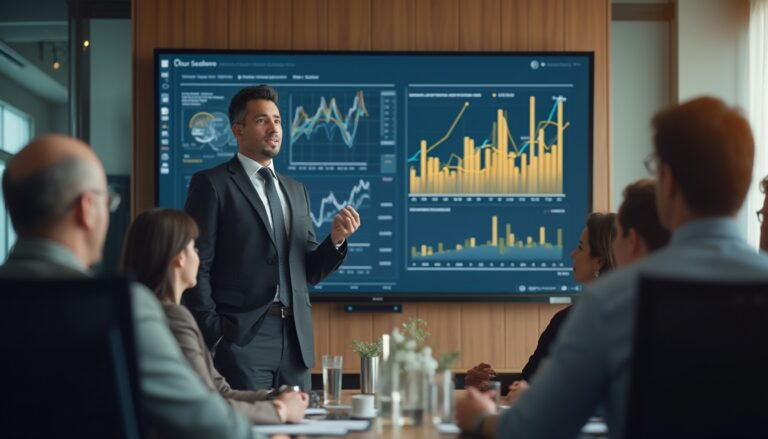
498	164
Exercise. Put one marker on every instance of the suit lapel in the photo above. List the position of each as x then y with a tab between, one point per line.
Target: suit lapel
243	182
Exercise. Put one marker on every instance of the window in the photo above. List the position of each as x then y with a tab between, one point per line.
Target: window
16	129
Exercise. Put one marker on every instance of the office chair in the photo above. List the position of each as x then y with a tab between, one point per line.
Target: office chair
68	359
700	365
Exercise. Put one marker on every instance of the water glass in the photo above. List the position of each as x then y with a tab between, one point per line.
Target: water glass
332	379
495	386
441	397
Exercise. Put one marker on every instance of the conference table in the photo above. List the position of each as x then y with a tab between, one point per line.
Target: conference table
425	431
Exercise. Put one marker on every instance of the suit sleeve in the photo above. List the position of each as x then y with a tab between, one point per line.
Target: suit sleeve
322	259
202	205
176	401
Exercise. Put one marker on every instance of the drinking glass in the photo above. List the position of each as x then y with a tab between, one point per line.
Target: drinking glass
332	379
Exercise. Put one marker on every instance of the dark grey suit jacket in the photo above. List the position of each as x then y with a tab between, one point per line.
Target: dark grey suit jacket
238	273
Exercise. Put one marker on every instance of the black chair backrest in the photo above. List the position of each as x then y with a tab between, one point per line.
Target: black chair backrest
700	364
68	359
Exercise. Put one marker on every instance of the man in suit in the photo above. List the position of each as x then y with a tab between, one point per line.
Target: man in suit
257	253
55	190
590	363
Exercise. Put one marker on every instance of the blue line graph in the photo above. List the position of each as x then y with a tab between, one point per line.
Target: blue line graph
329	118
330	205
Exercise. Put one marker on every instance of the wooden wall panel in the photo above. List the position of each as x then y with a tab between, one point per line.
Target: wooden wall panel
480	25
436	25
392	25
384	323
321	317
591	31
162	24
260	24
503	335
349	24
205	24
532	25
521	332
310	24
484	342
345	327
444	323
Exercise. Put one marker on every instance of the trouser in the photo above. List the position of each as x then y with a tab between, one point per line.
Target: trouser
271	359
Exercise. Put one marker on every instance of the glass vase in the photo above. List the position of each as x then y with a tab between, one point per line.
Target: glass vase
388	388
414	386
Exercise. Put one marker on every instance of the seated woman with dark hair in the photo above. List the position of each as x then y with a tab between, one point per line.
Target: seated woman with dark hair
160	252
591	258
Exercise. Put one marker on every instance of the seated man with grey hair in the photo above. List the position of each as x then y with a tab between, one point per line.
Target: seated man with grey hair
56	193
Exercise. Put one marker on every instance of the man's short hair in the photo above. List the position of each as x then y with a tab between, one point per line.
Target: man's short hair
239	103
638	211
709	148
764	185
39	200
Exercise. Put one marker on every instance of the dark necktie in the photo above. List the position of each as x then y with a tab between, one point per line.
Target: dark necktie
281	237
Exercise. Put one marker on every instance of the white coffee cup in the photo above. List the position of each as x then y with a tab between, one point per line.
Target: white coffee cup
362	406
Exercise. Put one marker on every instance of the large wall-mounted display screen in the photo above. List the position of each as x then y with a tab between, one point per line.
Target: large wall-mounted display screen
472	172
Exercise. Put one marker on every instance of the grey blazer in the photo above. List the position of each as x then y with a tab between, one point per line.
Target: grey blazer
251	404
176	401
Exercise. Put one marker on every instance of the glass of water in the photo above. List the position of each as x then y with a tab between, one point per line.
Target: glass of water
332	379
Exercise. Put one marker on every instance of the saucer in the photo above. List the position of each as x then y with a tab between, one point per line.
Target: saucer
338	409
370	416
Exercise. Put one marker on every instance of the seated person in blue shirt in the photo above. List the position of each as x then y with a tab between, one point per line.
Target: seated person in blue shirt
589	364
591	258
160	252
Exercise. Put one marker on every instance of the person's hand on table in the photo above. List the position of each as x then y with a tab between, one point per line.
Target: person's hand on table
293	405
476	413
479	376
516	389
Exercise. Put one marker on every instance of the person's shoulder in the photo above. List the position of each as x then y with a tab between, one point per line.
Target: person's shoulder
287	179
178	313
145	304
216	171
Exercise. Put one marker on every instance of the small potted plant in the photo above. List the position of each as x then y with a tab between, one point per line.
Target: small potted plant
369	352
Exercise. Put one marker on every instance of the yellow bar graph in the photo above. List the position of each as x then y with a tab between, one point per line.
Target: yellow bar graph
502	167
502	238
